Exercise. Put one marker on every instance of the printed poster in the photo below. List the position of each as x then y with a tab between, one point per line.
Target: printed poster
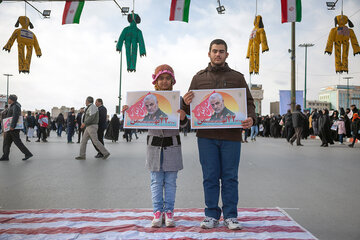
153	110
7	122
219	108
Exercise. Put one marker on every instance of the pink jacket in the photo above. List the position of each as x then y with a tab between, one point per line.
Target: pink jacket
341	127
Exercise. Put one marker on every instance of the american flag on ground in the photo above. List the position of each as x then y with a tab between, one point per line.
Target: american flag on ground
266	223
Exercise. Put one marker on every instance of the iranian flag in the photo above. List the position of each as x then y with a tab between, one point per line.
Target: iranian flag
180	10
72	12
290	11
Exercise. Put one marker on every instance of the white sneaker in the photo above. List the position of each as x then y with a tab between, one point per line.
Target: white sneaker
209	222
169	219
158	219
232	224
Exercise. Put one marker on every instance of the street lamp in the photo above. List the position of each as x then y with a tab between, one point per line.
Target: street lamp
220	9
305	45
348	93
7	86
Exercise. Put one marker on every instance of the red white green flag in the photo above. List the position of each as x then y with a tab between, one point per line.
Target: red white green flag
290	11
179	10
72	12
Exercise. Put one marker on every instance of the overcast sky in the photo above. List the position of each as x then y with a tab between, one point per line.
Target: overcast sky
80	59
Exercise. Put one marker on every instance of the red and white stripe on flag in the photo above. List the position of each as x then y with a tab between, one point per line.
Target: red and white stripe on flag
290	11
259	223
179	10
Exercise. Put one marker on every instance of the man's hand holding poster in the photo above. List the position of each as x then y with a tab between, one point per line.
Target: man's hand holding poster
219	108
152	110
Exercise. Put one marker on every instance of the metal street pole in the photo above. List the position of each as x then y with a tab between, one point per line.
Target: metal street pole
119	111
7	86
348	92
120	83
293	95
306	45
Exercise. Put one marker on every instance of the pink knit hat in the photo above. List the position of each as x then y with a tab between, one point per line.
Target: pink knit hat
161	70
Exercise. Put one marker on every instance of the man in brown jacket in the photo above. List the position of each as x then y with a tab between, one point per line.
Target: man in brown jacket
219	149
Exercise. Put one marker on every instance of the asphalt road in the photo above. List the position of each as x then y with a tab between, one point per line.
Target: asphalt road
318	187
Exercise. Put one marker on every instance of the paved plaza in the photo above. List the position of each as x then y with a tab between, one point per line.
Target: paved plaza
318	187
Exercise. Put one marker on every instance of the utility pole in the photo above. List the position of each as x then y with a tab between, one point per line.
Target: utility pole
348	92
305	45
7	86
293	92
119	111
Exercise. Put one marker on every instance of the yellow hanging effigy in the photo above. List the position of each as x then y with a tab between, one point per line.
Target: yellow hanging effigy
257	37
339	37
25	38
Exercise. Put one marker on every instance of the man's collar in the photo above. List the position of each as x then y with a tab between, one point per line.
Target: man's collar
224	68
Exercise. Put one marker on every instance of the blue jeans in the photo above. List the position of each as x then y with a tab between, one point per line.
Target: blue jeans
341	138
254	131
163	190
220	161
70	133
59	130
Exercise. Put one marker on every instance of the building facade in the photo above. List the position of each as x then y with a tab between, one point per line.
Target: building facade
315	104
275	108
258	95
340	96
2	102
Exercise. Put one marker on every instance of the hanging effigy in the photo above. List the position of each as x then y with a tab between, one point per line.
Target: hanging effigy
257	37
25	38
132	36
339	38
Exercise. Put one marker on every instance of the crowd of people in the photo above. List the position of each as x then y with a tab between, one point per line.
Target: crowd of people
330	126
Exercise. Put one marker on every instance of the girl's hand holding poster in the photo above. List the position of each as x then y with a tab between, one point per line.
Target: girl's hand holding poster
219	108
153	110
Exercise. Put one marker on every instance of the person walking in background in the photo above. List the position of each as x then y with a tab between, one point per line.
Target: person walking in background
101	125
60	121
289	129
324	128
12	135
31	123
298	121
43	124
341	129
70	122
79	118
355	128
255	129
90	124
112	131
3	116
50	123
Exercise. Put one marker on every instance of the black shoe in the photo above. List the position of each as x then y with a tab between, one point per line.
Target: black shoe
27	157
37	140
4	159
44	140
99	155
322	145
326	145
291	142
299	144
351	145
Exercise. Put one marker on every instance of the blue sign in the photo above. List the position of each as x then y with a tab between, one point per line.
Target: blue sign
285	100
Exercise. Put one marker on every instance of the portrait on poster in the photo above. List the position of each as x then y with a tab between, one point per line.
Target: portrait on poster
153	110
7	122
219	108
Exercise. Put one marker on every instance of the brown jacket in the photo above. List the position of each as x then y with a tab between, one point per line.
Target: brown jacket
216	78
